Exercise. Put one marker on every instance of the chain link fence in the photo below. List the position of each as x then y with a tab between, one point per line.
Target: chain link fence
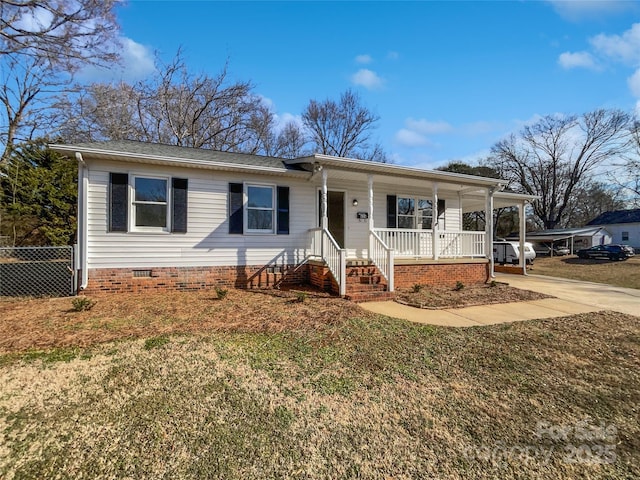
36	271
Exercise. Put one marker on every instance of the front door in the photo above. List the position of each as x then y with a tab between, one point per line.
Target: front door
335	214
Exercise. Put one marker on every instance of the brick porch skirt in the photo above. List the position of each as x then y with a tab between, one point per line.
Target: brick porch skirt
407	274
257	276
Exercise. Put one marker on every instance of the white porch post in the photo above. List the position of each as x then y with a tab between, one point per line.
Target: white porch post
323	201
489	230
434	223
523	231
371	225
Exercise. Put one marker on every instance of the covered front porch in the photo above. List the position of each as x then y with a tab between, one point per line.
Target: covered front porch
391	216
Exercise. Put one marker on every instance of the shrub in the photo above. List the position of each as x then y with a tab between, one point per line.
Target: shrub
301	297
81	304
459	286
493	284
416	287
221	292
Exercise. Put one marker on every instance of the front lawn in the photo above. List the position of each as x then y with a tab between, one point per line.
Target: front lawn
312	389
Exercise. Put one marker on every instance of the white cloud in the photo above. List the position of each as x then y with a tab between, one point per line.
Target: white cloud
624	48
426	127
367	79
411	138
568	60
137	62
634	83
576	10
364	59
283	119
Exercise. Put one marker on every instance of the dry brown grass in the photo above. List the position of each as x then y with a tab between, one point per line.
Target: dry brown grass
45	323
619	273
368	398
424	296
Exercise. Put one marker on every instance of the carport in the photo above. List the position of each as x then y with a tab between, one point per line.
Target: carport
575	238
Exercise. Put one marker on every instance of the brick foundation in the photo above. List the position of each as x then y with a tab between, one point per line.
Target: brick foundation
316	274
406	276
193	278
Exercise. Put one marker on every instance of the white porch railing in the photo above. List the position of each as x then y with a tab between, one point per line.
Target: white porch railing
419	243
324	246
456	244
407	243
382	256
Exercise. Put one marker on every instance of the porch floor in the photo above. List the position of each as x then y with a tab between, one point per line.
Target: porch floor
352	261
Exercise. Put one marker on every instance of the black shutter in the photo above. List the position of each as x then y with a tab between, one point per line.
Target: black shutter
236	211
441	207
392	206
179	188
283	211
118	202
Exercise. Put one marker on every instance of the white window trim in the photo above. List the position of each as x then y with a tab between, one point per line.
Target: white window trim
245	206
132	204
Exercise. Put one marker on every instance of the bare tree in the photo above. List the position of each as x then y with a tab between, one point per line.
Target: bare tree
67	33
291	141
557	155
176	107
590	201
342	128
626	172
42	43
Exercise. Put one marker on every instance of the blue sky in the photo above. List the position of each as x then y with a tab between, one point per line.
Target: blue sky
448	79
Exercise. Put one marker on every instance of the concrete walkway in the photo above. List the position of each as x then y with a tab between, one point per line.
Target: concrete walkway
571	297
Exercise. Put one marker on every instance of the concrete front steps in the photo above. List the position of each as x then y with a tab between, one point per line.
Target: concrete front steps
365	283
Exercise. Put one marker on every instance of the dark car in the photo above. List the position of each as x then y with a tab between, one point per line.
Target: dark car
612	252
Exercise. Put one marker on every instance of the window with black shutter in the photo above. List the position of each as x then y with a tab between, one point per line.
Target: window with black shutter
179	187
236	208
283	211
118	202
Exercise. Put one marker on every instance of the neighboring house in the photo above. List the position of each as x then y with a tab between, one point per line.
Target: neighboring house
624	226
573	238
158	216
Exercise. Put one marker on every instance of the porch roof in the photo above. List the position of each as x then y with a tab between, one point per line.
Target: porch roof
317	162
471	188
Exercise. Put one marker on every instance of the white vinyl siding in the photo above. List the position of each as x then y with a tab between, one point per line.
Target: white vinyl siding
207	241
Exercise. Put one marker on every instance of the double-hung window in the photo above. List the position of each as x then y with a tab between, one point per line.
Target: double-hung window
425	214
260	208
410	213
150	203
256	208
406	212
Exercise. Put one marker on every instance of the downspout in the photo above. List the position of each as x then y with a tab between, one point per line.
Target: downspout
523	232
83	184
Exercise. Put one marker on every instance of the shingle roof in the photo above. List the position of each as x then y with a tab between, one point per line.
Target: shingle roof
617	216
173	151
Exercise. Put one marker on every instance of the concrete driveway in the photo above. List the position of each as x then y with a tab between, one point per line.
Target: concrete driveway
596	295
572	297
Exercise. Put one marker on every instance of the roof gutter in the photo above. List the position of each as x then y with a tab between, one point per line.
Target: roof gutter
174	161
